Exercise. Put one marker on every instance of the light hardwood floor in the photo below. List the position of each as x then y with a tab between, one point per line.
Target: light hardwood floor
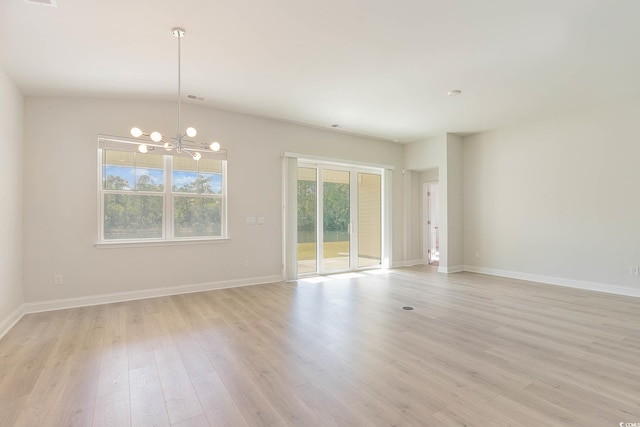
476	351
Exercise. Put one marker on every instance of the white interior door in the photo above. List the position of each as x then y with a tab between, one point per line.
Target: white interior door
430	223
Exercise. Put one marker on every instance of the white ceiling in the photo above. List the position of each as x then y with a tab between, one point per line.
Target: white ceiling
376	67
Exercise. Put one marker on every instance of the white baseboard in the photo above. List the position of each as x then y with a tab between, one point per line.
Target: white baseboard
549	280
40	306
452	269
409	263
35	307
441	269
8	322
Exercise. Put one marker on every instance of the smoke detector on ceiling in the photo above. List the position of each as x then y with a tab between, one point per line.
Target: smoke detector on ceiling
51	3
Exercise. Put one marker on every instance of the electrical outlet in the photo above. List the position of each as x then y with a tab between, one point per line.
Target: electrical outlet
57	279
246	263
635	271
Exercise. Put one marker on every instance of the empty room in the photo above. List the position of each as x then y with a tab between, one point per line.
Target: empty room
320	213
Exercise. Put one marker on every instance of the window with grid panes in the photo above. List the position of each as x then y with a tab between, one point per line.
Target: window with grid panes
160	195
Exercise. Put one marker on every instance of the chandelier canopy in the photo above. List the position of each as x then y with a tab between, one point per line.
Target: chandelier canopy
179	143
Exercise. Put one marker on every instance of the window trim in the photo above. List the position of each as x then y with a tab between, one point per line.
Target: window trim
167	211
155	242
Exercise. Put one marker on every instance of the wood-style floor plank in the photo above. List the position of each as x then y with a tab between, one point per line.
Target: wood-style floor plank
338	350
218	405
147	398
112	410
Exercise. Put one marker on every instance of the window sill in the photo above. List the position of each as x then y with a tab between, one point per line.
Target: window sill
142	243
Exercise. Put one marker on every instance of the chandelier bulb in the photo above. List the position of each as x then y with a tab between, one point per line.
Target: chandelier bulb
136	132
197	156
168	146
143	148
156	136
191	132
215	146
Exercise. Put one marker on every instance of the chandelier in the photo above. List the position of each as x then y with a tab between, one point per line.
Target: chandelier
179	143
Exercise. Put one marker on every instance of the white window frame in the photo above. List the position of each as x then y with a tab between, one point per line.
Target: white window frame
168	196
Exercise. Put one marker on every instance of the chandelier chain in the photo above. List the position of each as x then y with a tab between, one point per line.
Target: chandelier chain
179	139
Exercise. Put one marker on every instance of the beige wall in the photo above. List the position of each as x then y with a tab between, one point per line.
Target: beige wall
427	154
429	175
61	196
11	120
420	158
454	229
444	154
557	199
412	228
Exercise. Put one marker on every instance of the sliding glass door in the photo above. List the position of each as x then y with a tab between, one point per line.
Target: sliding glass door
339	219
336	220
307	220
